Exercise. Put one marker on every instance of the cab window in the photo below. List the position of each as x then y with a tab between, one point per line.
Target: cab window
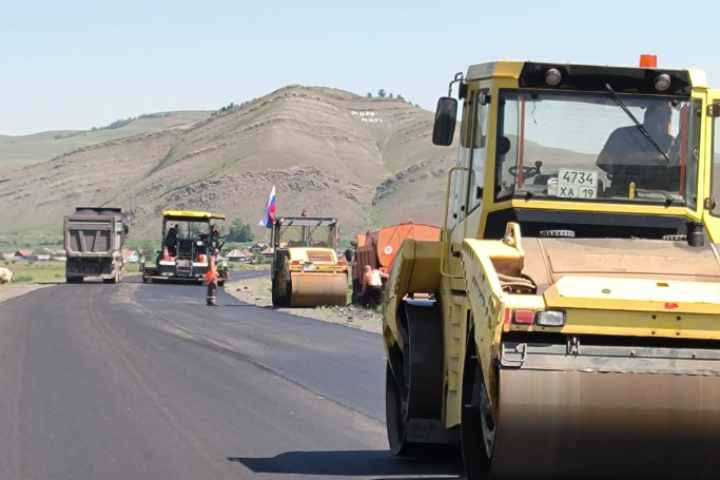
479	149
716	168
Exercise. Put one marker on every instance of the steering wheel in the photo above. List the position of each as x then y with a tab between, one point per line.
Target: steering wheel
528	172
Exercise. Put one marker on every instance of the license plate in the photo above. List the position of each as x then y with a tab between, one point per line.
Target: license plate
574	183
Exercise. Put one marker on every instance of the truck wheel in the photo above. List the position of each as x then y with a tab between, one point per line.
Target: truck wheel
477	426
418	394
73	279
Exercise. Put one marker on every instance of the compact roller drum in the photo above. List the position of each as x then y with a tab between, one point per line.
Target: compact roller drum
598	414
310	289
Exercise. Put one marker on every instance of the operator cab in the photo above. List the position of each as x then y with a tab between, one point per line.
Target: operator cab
303	231
599	151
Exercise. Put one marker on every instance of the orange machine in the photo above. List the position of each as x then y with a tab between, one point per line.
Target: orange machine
377	248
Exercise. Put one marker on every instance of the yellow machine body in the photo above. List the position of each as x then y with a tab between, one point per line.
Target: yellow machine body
594	352
306	270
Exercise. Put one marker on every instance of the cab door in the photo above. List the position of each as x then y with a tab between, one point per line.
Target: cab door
712	200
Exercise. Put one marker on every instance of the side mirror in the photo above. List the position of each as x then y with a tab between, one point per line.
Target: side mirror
445	117
348	255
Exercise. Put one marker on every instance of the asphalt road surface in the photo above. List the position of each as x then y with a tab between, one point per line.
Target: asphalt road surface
144	382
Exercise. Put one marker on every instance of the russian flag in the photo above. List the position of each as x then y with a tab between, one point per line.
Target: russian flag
269	214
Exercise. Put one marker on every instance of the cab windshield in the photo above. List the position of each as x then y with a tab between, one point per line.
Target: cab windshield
305	233
585	146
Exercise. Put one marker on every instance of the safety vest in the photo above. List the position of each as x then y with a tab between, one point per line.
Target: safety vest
211	275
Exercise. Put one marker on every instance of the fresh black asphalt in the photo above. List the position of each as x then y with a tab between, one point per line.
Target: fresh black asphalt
137	381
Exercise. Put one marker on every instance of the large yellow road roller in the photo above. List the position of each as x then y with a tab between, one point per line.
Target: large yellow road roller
306	270
572	326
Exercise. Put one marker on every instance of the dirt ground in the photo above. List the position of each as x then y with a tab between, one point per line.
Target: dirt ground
16	289
257	291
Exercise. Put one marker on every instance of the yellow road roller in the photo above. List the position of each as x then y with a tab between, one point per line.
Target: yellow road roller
306	270
570	319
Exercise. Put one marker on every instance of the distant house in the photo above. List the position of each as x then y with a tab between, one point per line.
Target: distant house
22	253
259	247
40	257
237	255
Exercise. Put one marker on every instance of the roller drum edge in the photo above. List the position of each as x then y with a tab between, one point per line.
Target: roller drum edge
570	423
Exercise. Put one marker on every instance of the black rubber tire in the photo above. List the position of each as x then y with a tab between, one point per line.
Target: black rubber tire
277	300
418	394
472	443
394	422
73	279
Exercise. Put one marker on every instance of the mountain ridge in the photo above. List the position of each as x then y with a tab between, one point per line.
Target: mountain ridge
326	150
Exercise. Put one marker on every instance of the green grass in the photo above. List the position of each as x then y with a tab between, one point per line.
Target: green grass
44	272
38	272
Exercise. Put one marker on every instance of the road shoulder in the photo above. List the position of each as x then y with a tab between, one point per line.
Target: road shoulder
257	291
15	290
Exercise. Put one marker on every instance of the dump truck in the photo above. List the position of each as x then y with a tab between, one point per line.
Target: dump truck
187	242
573	322
377	248
306	270
93	238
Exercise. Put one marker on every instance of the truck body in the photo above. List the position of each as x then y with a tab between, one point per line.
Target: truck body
573	326
377	248
93	240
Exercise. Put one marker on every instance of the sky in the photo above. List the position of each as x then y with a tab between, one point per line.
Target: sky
78	64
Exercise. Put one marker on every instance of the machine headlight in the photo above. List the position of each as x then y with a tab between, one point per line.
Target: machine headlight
550	318
662	82
553	77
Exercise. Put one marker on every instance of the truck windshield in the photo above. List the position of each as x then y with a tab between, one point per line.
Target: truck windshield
584	146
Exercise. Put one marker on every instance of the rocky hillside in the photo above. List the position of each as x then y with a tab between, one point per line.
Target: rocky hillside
364	160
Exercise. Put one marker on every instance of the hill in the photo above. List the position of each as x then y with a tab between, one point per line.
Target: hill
331	152
24	150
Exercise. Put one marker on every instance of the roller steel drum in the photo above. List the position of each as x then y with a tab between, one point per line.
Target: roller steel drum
310	289
619	412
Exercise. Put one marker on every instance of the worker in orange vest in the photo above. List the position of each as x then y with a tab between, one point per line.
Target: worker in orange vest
211	279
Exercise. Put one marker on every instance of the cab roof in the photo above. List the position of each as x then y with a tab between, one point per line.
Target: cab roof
682	79
306	221
191	215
